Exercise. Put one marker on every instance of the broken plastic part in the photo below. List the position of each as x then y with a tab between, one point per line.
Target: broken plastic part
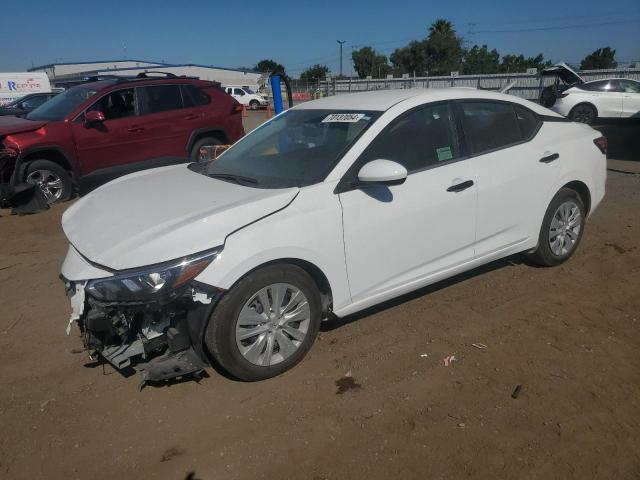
201	297
77	304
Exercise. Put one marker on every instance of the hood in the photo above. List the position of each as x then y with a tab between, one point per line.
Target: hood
565	72
11	125
163	214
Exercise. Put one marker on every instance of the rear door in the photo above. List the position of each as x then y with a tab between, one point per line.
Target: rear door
116	141
514	168
606	97
630	97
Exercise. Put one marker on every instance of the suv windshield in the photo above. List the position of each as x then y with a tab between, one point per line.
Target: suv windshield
297	148
61	105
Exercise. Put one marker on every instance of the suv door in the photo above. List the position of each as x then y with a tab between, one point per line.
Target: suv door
167	125
514	168
117	140
399	237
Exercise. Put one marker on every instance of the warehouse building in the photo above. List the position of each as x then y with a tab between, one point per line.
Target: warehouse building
68	74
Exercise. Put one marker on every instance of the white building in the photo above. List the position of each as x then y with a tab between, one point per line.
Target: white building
65	74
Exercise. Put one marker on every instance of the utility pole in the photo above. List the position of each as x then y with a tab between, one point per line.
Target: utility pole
341	42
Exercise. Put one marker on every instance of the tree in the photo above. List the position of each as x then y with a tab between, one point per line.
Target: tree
410	59
443	48
600	59
269	66
479	60
314	73
520	64
367	61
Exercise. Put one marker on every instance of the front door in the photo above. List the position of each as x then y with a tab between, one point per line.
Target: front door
399	237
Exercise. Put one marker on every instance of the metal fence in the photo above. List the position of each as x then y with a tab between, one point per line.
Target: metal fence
527	85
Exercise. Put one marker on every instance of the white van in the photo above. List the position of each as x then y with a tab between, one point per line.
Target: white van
247	96
17	85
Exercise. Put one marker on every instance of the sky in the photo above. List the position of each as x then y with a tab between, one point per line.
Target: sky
300	33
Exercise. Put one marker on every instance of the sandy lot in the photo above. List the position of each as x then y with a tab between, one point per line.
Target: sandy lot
372	400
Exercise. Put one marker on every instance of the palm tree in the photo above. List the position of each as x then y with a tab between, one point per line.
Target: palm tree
441	27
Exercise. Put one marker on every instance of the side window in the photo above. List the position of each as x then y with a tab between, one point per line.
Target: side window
417	140
34	102
527	120
194	97
490	125
118	104
597	86
161	98
627	86
238	91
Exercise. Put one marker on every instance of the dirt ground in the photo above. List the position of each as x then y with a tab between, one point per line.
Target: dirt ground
373	398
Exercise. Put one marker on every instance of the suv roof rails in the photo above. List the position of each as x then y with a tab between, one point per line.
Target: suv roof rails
166	74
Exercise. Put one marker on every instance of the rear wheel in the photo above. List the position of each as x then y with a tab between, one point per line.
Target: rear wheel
52	179
266	323
561	229
203	149
583	113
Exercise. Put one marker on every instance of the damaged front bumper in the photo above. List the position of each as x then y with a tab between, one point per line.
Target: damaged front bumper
162	338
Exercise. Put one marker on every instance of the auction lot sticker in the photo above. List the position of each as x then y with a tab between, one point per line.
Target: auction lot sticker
343	117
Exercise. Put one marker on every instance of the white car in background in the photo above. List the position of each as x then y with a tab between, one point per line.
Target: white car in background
586	101
247	97
329	208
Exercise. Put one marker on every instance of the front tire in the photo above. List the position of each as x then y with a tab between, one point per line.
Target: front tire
52	179
254	105
561	230
266	323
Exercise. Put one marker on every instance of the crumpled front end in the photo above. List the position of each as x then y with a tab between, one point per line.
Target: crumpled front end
151	320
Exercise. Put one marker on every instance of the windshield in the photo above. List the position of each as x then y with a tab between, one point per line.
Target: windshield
248	90
297	148
61	105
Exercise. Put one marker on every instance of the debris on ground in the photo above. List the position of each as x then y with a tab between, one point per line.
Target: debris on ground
479	346
516	391
449	359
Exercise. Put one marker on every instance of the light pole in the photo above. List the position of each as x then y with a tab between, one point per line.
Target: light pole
341	42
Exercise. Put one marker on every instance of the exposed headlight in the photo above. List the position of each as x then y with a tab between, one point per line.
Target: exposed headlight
149	282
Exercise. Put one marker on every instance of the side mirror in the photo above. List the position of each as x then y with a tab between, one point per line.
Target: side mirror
93	116
383	172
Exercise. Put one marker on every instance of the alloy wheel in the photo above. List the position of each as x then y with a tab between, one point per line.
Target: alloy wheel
49	182
565	228
583	114
273	324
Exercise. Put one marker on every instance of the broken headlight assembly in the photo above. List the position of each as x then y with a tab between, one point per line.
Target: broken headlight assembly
150	282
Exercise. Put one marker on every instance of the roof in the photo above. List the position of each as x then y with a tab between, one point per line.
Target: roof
141	67
385	99
48	65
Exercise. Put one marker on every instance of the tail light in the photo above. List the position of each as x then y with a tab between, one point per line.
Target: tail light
602	144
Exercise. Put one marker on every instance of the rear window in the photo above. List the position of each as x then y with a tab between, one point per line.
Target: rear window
161	98
490	125
194	97
597	86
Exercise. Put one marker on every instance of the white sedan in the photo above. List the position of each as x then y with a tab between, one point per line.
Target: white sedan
586	101
329	208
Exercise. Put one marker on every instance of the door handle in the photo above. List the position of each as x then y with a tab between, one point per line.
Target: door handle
458	187
550	158
135	129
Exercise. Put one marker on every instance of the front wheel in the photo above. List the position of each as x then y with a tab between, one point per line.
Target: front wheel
561	230
254	104
266	323
52	179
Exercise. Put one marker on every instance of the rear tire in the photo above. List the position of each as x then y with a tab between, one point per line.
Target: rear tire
561	229
266	323
52	179
583	113
195	154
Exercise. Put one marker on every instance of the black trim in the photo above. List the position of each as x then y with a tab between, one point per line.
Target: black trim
206	130
550	158
459	187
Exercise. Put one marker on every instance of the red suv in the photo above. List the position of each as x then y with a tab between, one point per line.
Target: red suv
107	128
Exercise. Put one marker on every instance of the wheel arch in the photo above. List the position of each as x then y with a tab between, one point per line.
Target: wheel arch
51	153
583	191
217	132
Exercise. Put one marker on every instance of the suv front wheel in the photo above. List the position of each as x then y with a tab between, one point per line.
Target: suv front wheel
52	179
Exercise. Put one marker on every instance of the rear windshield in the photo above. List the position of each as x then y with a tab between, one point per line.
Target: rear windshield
61	105
297	148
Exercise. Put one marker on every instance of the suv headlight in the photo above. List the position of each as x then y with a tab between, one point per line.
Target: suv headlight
150	282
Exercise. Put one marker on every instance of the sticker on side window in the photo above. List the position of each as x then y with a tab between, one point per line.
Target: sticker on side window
444	154
343	117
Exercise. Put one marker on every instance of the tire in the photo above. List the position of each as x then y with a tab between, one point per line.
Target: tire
203	142
555	249
241	313
254	105
583	113
52	178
